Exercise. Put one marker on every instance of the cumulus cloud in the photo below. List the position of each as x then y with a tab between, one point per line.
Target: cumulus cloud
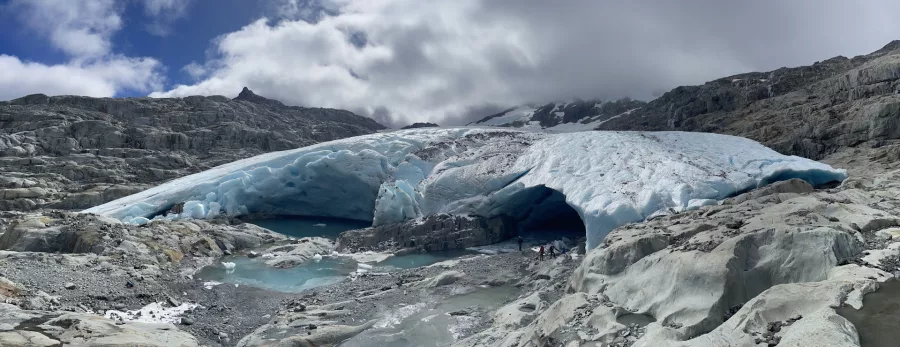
195	70
307	10
82	31
163	13
438	60
100	78
410	60
77	28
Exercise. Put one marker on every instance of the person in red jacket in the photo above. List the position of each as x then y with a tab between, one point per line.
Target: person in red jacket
541	252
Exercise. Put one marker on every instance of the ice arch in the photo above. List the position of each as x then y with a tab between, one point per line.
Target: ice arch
608	178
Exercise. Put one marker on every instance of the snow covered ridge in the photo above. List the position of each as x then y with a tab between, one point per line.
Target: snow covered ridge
609	178
568	116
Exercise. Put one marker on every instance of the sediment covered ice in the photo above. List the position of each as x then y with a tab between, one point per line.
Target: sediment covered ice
609	178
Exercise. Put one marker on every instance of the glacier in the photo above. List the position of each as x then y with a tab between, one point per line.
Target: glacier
608	178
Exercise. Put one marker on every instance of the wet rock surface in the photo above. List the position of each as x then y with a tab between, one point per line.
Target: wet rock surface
432	233
133	267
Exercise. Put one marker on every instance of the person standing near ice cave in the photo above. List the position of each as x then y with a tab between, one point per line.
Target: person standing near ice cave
520	242
541	253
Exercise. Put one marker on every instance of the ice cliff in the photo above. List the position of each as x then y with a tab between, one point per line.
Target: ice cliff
609	178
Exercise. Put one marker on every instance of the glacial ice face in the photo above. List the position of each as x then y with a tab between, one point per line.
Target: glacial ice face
609	178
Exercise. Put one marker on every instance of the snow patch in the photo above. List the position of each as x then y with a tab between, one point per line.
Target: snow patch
522	114
393	318
152	313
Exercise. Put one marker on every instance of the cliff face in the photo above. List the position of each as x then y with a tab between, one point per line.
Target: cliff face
76	152
811	111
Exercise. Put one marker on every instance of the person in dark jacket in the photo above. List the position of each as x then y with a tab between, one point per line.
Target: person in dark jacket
520	242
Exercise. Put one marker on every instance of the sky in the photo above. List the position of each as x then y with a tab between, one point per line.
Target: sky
401	61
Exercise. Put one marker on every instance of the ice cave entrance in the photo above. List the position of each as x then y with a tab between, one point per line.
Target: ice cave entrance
543	217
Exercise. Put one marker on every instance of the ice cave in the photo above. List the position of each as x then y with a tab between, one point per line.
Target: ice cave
600	180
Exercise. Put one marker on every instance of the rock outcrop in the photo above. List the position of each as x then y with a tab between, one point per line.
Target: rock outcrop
439	232
42	328
74	152
157	243
420	125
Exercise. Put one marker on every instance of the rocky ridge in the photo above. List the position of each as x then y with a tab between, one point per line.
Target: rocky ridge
72	152
585	113
810	111
420	125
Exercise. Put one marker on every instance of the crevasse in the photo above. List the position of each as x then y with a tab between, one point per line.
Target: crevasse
609	178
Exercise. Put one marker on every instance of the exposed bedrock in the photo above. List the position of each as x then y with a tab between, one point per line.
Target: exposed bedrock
439	232
766	267
36	328
160	243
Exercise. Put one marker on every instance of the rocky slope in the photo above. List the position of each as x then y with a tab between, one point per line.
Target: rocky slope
578	114
74	152
810	111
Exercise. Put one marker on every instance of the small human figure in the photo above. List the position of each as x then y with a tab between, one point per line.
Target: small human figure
520	243
541	252
552	252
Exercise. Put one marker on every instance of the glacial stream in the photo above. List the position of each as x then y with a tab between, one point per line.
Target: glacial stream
878	319
433	324
438	322
329	270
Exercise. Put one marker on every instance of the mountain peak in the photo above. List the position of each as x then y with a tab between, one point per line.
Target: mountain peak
248	95
891	46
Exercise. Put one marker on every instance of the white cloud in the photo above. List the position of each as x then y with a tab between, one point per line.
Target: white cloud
437	60
163	14
82	30
78	28
196	71
315	64
303	9
101	78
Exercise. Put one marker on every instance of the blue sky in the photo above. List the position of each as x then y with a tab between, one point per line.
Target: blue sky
188	39
400	61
